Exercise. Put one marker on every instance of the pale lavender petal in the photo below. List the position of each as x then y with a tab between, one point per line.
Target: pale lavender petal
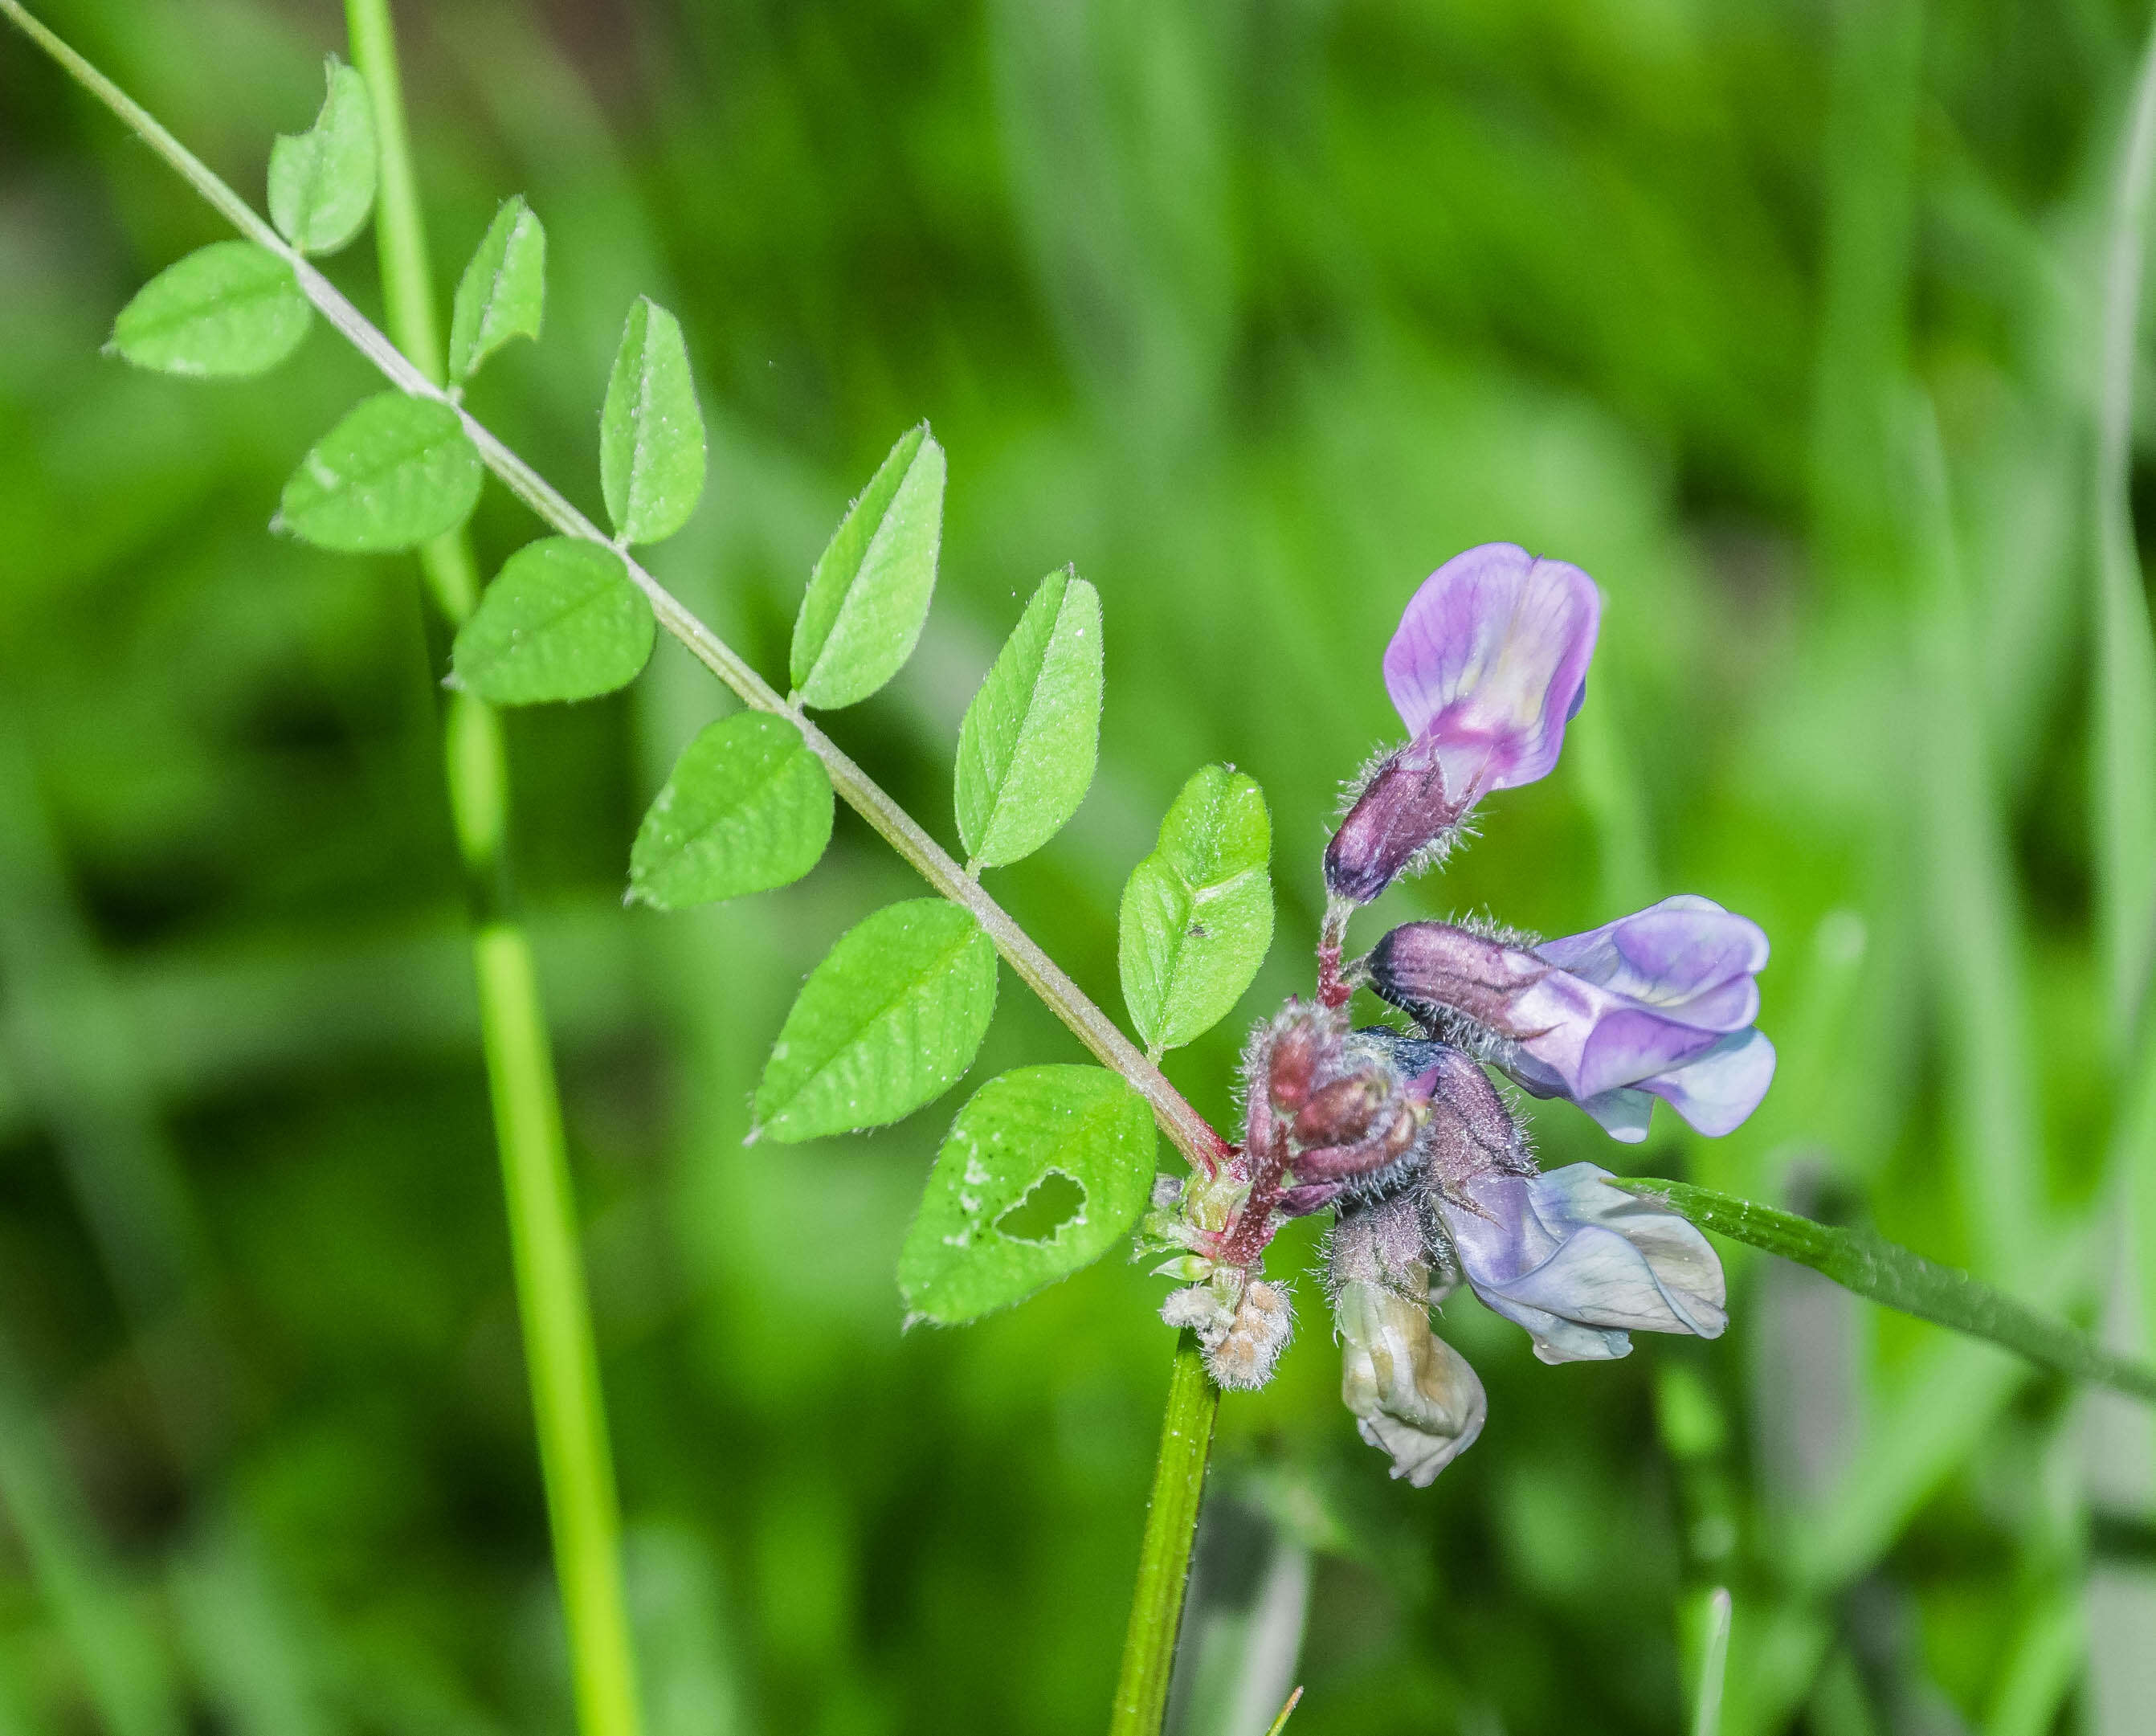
1630	1045
1716	1091
1686	956
1490	659
1624	1114
1414	1396
1580	1263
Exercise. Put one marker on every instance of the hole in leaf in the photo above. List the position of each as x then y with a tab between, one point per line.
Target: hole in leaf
1049	1204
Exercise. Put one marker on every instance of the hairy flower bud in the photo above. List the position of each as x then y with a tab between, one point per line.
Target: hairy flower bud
1340	1112
1242	1341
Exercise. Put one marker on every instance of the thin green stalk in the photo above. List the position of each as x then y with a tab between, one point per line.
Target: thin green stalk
561	1355
2125	792
1178	1482
557	1332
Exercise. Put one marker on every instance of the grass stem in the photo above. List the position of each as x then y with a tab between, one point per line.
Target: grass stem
582	1508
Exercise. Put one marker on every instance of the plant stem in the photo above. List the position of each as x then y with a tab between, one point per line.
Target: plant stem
557	1333
1178	1480
561	1355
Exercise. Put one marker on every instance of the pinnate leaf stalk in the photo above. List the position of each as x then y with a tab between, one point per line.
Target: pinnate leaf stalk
517	1057
1182	1123
553	1306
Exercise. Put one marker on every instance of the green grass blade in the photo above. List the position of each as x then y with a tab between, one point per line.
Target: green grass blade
2125	745
1897	1278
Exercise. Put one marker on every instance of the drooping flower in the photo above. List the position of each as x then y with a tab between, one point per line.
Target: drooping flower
1582	1264
1488	665
1660	1003
1578	1262
1412	1395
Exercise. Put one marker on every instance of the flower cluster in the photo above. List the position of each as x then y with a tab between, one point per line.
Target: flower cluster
1403	1134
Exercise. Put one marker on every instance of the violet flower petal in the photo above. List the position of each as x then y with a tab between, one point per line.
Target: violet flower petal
1581	1263
1490	661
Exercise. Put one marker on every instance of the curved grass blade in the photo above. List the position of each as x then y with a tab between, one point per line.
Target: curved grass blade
1883	1272
226	311
1027	749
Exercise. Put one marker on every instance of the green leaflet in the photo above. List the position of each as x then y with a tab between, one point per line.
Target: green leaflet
396	472
1884	1273
1198	913
884	1024
651	434
869	595
225	311
321	180
562	621
1026	750
1044	1169
747	807
503	292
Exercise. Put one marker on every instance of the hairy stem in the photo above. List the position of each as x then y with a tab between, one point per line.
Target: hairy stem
561	1356
1178	1481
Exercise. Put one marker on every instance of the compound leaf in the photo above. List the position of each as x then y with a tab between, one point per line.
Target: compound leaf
562	621
396	472
1044	1169
651	434
748	807
225	311
1027	749
503	292
321	180
884	1024
869	595
1198	913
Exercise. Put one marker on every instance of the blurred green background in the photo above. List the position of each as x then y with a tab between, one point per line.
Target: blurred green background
1780	316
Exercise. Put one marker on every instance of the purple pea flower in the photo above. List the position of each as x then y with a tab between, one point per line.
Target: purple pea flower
1656	1004
1489	665
1581	1265
1578	1262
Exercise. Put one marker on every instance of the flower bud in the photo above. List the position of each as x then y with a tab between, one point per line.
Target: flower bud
1340	1112
1414	1396
1404	811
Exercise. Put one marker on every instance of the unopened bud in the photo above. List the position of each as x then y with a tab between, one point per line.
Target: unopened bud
1340	1113
1402	811
1244	1357
1291	1065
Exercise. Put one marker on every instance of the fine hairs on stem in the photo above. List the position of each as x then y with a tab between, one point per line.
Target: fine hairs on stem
555	1313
